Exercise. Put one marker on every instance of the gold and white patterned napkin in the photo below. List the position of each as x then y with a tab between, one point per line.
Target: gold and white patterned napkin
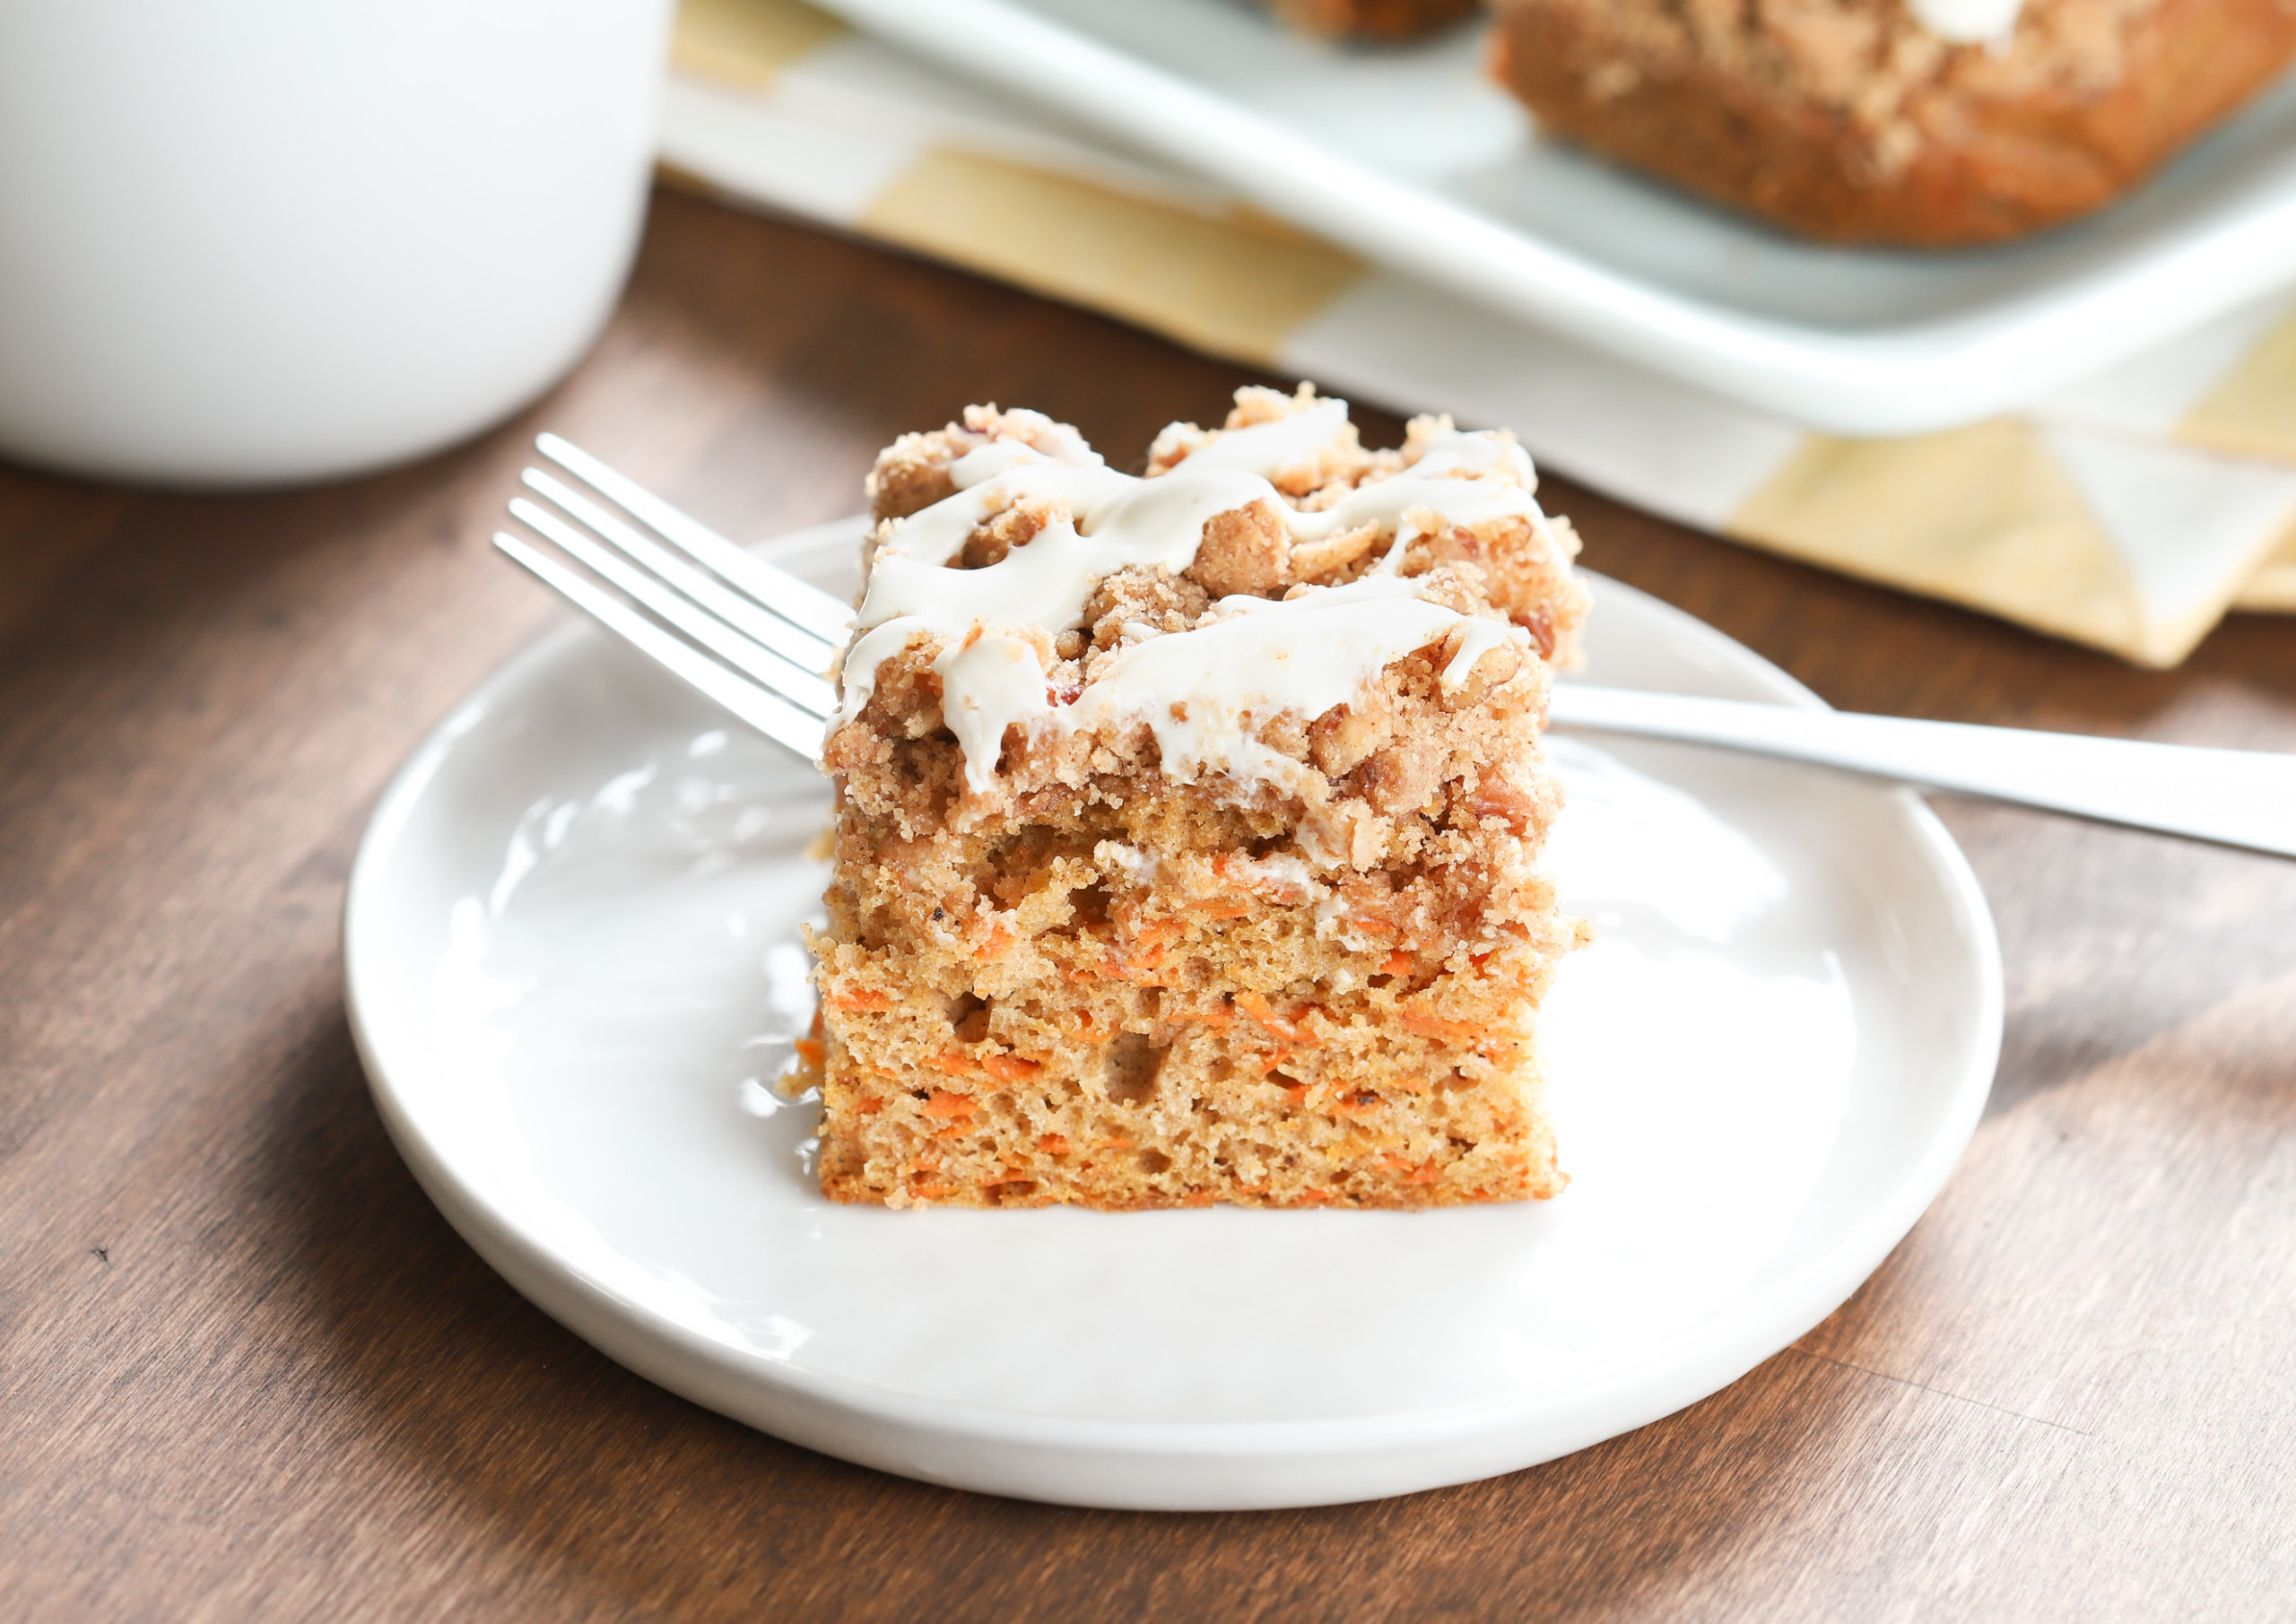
2129	513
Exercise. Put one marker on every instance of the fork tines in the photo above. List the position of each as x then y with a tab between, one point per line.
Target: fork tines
755	639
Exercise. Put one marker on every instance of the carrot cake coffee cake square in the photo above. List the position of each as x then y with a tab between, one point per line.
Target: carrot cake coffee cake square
1188	824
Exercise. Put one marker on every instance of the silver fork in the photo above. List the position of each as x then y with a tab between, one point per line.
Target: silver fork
755	639
761	642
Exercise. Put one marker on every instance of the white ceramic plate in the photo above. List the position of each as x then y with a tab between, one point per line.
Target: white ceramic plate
1412	158
572	969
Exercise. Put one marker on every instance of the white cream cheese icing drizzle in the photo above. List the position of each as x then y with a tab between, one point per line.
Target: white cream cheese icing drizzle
1267	449
1969	22
1197	690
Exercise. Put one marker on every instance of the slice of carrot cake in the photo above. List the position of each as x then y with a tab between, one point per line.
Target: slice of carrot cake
1188	824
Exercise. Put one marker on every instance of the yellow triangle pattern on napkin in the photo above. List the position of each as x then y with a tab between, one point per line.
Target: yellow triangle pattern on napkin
1985	516
1982	517
2252	413
2252	410
1233	283
744	43
2272	589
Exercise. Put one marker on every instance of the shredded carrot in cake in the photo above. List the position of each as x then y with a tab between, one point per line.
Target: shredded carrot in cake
1450	1032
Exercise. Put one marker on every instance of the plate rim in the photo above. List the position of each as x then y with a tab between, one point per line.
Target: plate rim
1072	1459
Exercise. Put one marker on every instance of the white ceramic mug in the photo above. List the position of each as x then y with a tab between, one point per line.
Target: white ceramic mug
256	241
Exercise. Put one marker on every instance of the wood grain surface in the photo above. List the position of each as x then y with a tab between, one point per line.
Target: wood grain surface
247	1372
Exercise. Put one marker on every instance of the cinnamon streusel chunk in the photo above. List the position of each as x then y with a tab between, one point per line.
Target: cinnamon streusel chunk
1187	825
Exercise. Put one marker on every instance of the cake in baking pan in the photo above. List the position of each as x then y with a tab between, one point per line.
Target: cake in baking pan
1188	824
1925	123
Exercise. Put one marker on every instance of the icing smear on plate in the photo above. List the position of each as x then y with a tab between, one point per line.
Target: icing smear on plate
1196	690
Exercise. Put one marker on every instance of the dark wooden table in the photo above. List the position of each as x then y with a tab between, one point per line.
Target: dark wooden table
248	1372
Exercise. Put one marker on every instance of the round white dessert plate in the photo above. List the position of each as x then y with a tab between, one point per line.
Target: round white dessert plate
574	972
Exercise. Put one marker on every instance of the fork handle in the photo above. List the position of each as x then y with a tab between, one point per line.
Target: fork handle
2234	797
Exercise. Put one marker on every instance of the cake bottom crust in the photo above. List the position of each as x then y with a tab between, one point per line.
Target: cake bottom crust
1979	170
1259	1142
1123	1094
